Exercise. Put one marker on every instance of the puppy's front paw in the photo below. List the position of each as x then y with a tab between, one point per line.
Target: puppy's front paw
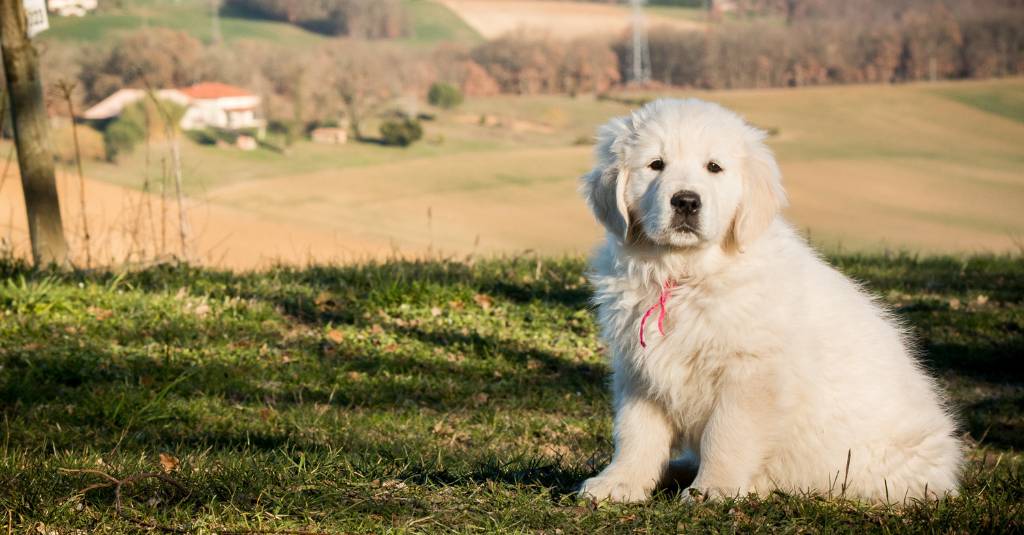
615	489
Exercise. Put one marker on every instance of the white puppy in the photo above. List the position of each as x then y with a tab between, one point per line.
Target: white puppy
732	342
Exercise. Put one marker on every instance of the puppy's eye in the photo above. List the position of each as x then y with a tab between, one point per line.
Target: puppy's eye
657	165
713	167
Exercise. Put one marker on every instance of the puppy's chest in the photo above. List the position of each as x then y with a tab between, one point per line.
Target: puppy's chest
681	354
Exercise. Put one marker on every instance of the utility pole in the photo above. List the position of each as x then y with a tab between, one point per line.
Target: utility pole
215	35
641	64
32	137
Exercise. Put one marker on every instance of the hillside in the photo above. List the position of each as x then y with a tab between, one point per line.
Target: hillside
920	167
567	20
416	397
430	22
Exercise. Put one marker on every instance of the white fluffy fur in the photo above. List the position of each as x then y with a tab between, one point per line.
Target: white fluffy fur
776	371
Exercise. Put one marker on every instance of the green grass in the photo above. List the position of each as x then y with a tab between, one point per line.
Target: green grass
209	167
1003	100
417	397
190	16
430	23
433	22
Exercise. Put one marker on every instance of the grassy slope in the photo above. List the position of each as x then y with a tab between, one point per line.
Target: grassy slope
867	167
430	23
419	397
958	124
433	22
1003	101
191	16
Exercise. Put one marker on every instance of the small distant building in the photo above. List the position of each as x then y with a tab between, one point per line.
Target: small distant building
71	8
220	106
329	135
246	142
723	6
113	105
207	105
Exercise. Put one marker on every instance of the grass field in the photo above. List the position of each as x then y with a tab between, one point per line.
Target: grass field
493	18
430	23
923	167
936	168
933	168
416	397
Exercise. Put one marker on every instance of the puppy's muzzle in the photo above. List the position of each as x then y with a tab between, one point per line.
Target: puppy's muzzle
686	211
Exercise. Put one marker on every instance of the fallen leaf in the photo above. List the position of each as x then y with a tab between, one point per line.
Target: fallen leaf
480	398
335	336
376	329
435	311
954	304
100	313
484	301
442	428
201	310
168	463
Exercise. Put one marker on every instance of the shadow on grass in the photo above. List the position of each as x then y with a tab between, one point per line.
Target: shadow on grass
106	386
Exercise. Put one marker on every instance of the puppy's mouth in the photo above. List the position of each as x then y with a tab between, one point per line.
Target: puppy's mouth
686	228
686	225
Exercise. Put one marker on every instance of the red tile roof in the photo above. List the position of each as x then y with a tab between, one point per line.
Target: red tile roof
212	90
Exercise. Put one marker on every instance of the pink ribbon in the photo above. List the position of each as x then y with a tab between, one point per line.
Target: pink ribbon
666	291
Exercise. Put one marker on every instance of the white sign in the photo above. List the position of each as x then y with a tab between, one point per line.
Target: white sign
35	14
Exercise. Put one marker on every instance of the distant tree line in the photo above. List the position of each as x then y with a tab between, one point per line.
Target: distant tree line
842	42
374	19
791	43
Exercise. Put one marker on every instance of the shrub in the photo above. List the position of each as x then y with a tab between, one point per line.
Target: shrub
355	18
289	131
444	95
402	131
205	136
121	136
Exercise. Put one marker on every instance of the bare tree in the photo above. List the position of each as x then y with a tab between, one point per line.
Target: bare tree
67	89
365	80
171	130
32	137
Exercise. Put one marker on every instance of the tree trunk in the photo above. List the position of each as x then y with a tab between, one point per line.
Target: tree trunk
32	137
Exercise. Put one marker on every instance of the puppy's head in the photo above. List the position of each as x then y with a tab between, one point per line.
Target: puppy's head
684	174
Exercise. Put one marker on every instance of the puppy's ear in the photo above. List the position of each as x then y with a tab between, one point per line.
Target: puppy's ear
605	185
763	194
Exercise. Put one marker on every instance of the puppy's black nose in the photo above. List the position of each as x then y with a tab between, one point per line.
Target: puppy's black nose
686	202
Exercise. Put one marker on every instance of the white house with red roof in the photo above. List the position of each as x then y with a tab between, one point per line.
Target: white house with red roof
220	106
71	8
208	104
